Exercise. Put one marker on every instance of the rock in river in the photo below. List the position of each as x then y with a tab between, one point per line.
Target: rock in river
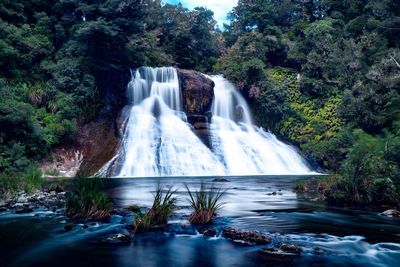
282	250
248	237
391	213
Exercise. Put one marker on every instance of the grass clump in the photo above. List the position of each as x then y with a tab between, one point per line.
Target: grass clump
33	179
205	203
162	208
87	200
11	184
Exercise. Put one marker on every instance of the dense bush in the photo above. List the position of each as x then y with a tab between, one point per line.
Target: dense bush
325	75
58	59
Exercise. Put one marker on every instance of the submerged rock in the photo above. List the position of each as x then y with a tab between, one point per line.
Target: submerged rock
23	209
210	232
118	238
391	213
282	250
69	227
248	237
220	180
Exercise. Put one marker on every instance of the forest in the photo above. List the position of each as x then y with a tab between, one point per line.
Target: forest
321	74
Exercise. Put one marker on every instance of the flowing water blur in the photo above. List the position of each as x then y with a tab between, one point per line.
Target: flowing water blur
158	140
242	147
268	204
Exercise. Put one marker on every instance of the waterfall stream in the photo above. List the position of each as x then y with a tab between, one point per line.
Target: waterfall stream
158	140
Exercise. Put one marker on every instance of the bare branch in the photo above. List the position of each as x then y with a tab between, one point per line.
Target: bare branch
395	61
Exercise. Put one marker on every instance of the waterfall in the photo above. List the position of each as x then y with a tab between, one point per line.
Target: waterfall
158	141
242	147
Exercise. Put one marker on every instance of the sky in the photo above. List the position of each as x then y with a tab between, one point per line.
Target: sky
219	7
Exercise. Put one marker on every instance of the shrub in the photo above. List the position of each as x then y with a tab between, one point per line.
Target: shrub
9	186
205	203
162	208
32	179
87	200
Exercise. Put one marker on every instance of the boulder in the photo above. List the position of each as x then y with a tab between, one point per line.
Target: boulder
391	213
290	248
197	92
248	237
22	199
210	232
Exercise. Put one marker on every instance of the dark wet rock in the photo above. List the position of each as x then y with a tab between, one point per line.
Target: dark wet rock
68	227
276	252
220	180
3	209
391	213
248	237
197	91
318	251
118	238
290	248
282	250
23	209
182	229
206	231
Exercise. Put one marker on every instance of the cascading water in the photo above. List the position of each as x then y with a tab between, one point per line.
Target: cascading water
239	145
158	141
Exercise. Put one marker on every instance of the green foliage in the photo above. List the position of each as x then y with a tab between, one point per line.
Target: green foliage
9	186
162	208
59	59
28	181
370	174
33	179
87	200
319	71
205	202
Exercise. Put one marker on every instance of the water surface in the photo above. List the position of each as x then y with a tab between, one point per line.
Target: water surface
268	204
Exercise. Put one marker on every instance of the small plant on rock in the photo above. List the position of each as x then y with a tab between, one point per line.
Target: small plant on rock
205	203
87	200
162	208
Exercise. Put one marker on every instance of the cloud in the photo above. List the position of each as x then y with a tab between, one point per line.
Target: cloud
219	7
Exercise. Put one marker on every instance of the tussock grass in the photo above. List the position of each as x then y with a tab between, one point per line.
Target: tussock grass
87	200
205	202
163	206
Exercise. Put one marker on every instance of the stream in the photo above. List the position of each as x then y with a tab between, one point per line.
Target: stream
328	236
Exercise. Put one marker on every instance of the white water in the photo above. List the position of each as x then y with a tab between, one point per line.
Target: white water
158	141
243	148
